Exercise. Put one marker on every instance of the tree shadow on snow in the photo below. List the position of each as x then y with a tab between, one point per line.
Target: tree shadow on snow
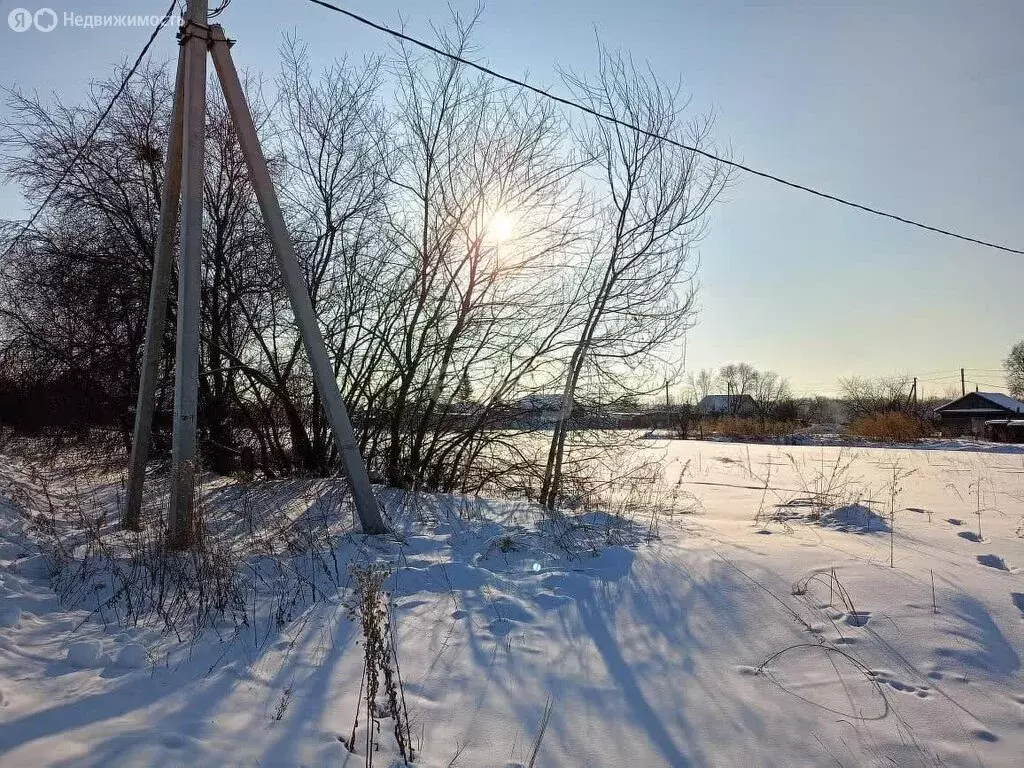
980	644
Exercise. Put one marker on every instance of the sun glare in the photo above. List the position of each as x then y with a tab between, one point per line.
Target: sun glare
501	227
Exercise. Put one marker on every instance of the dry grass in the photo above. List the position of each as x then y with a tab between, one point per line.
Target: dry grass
381	689
753	429
889	427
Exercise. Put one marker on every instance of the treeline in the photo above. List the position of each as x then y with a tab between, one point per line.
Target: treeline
464	244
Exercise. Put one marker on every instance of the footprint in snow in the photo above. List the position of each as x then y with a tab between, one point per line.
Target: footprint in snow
501	627
970	536
177	741
884	677
993	561
857	618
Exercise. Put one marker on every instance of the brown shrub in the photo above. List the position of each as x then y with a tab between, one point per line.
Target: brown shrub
889	427
752	429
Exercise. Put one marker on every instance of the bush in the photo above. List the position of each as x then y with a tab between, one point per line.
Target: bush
889	427
753	429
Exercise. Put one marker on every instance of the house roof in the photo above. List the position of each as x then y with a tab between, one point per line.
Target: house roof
998	400
723	402
540	402
1004	401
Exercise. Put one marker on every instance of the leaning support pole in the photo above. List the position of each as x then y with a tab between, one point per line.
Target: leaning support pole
302	307
159	285
181	525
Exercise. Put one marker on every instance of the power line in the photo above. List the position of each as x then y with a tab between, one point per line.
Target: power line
95	129
659	137
986	384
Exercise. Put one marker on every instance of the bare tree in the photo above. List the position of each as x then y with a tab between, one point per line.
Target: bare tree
652	202
1014	367
739	379
702	383
865	396
73	293
464	245
818	409
770	391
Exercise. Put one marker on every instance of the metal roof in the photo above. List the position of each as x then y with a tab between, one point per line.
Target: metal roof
1003	401
998	399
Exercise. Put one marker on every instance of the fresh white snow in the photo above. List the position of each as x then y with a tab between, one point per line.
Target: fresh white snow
765	627
85	653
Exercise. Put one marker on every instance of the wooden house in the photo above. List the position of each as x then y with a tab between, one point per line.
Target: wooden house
967	415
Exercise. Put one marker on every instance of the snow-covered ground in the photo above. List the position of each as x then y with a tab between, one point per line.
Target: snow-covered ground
760	624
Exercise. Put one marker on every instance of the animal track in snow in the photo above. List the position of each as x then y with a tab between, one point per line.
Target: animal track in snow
501	627
884	677
857	618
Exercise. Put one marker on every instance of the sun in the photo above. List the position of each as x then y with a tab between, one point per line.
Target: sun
501	227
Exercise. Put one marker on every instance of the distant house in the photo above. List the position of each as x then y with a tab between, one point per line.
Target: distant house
968	414
538	410
727	405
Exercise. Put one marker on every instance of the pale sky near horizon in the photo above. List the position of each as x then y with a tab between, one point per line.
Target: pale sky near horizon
915	106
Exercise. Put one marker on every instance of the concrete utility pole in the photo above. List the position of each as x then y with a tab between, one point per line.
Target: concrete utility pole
184	179
155	320
190	277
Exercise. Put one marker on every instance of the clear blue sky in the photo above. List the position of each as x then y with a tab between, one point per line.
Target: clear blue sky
912	105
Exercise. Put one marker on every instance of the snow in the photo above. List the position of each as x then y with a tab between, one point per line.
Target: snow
699	638
854	517
10	613
85	653
133	656
34	566
1004	401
